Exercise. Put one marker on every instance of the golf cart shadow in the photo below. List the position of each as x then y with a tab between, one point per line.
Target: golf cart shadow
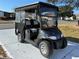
70	52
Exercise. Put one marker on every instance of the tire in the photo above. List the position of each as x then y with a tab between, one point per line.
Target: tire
16	31
45	48
20	38
64	45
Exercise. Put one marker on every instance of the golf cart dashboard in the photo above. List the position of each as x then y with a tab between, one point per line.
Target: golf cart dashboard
49	27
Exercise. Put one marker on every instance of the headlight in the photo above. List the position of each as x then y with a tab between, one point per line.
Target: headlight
52	37
62	35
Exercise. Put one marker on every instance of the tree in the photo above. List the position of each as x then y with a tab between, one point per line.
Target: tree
73	3
66	11
52	1
69	5
65	8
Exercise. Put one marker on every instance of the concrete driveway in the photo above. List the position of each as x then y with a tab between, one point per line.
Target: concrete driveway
27	51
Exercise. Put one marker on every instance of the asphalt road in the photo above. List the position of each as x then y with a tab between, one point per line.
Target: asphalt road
27	51
7	26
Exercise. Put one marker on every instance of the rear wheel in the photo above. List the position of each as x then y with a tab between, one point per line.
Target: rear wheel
21	38
16	31
45	48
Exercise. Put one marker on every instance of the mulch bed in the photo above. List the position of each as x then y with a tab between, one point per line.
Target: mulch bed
2	53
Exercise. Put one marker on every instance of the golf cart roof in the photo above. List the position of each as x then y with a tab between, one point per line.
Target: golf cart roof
36	6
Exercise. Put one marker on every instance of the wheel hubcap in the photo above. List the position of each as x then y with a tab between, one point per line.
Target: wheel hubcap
44	48
19	36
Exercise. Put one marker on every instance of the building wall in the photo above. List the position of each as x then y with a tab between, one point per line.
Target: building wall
1	14
7	15
77	16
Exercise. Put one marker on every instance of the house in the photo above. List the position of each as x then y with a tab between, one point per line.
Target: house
77	16
7	15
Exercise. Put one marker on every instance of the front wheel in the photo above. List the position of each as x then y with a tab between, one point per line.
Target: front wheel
64	44
45	48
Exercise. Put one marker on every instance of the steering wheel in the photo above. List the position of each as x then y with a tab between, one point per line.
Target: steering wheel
45	22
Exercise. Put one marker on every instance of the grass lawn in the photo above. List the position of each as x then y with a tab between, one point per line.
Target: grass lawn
71	32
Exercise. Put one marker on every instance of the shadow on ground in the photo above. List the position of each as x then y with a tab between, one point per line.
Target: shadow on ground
73	39
70	52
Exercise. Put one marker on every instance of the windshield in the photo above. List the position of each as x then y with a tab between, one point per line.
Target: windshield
48	19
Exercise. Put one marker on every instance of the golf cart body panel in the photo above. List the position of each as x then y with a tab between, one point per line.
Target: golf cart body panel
37	22
53	34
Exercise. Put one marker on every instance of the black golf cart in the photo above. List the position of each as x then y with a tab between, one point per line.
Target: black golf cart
37	24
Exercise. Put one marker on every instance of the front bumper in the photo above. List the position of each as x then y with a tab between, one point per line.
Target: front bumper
60	43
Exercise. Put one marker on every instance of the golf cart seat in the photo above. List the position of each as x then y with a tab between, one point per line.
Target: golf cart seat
34	31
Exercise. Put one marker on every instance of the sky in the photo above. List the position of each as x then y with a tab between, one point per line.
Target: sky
10	5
